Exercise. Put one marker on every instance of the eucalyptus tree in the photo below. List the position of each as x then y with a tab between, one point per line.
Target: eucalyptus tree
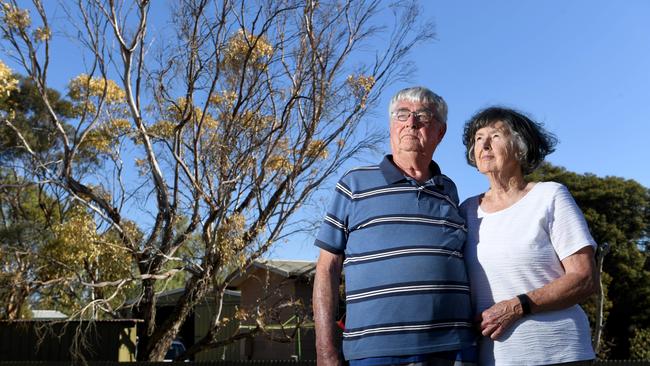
210	131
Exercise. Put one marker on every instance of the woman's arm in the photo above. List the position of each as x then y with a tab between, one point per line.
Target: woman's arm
579	282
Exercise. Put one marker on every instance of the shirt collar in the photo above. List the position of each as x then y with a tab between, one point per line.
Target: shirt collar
394	175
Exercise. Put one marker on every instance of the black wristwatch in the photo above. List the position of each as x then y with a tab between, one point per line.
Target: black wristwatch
525	303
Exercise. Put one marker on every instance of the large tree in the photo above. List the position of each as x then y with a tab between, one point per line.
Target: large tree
220	126
618	213
23	231
47	241
27	212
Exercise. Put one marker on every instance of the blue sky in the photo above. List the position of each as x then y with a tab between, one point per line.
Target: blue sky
581	67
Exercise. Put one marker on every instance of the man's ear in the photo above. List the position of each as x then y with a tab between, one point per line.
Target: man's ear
441	132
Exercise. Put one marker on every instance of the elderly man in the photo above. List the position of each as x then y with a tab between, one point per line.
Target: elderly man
396	230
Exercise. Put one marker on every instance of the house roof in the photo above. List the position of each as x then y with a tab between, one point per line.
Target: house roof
283	267
48	315
288	268
170	297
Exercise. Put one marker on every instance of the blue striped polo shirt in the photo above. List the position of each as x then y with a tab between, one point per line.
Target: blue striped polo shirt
407	291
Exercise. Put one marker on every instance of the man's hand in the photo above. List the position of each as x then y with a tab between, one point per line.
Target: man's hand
499	317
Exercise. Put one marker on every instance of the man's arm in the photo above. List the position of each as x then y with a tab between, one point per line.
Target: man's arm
325	300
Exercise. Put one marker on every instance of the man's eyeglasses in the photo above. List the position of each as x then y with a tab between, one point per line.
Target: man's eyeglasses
402	115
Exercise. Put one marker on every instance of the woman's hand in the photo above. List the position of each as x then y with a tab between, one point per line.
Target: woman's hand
496	319
579	281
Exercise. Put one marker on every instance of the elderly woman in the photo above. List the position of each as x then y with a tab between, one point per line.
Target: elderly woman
529	253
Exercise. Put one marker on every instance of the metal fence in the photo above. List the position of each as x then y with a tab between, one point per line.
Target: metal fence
142	363
195	363
247	363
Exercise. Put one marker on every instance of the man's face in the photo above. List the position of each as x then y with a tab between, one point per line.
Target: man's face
414	137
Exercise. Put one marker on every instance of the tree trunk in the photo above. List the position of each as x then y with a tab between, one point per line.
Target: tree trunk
602	251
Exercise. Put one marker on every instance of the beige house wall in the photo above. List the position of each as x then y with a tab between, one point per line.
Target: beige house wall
273	289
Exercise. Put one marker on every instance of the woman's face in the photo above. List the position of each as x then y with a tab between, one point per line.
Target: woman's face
494	151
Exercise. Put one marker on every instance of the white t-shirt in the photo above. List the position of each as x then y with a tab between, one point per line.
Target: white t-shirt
519	249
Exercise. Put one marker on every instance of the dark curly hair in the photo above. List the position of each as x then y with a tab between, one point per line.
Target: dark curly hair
530	140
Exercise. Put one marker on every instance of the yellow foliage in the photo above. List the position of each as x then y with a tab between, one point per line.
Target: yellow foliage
230	241
282	146
79	248
42	34
225	98
14	17
640	344
317	149
76	237
253	121
131	229
82	107
175	111
163	129
209	122
175	114
361	87
248	163
220	156
83	87
143	166
279	159
237	222
247	122
278	162
8	82
119	125
104	137
241	314
246	47
98	140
